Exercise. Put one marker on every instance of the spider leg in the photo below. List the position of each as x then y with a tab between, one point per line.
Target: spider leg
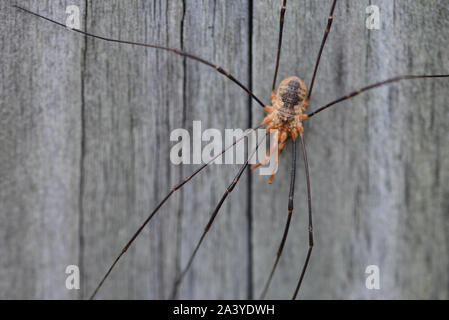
281	29
309	205
176	51
323	42
375	85
289	217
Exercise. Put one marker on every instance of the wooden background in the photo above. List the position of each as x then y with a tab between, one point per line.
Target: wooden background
84	150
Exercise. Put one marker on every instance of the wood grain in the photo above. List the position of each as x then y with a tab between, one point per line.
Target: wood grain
40	135
84	150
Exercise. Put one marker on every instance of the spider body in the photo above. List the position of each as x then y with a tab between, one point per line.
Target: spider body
287	110
286	113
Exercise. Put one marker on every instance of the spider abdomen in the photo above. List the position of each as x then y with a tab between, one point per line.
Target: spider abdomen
288	106
291	93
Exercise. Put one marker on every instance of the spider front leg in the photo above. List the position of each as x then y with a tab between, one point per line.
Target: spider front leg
267	156
268	109
273	97
279	142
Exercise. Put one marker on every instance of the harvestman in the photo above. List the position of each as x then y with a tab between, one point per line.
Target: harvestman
285	115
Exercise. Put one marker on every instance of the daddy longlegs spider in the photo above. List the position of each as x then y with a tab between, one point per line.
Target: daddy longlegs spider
286	114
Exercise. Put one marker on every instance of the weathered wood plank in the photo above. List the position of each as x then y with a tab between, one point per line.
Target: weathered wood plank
84	142
218	31
134	99
39	153
378	162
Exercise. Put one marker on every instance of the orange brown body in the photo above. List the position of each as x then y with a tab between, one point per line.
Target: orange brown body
286	114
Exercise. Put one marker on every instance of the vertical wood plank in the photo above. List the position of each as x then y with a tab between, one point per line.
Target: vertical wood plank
218	31
134	99
377	162
39	152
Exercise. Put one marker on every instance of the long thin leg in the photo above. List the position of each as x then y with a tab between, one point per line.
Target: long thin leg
378	84
309	204
289	217
326	32
212	218
281	29
179	52
175	188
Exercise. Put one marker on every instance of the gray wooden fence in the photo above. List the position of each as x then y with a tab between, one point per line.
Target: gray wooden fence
84	150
